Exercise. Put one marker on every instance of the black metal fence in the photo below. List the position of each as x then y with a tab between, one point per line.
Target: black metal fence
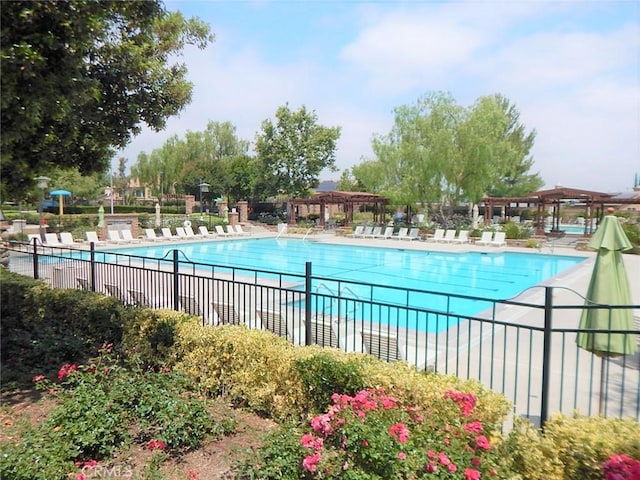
524	347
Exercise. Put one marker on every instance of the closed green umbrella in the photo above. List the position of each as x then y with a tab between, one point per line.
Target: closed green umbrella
609	285
100	216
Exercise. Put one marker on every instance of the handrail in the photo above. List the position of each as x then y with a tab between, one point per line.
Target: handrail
307	234
283	231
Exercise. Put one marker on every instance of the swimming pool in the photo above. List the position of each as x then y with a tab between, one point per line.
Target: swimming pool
492	276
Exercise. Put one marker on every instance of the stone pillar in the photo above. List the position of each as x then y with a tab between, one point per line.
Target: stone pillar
243	207
233	218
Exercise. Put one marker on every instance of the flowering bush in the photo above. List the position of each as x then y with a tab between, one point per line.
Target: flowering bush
371	435
621	467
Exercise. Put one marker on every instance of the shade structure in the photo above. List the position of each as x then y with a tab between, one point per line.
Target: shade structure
100	216
609	285
60	194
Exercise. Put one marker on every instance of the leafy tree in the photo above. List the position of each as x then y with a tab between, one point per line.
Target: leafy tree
349	183
440	152
294	150
79	78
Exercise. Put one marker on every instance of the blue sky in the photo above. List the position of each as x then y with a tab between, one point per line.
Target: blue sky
572	68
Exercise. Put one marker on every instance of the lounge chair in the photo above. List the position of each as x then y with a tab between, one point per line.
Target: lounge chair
141	299
412	235
190	233
499	239
51	240
402	233
67	239
241	231
181	233
463	237
374	233
232	231
359	230
92	237
438	236
485	239
114	237
274	322
382	345
189	304
323	333
227	314
115	291
167	235
220	231
449	236
36	237
151	235
128	237
83	283
388	233
204	232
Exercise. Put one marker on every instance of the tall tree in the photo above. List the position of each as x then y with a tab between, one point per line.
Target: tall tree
294	150
79	78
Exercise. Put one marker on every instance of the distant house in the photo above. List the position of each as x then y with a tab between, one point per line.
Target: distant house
327	186
631	200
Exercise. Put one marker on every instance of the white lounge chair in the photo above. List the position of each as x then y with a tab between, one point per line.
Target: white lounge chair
128	237
359	230
190	233
141	299
323	333
204	232
402	233
438	235
241	231
114	237
485	239
167	235
220	231
115	291
388	233
92	237
51	240
374	233
36	237
67	239
412	235
83	283
449	236
151	235
387	347
463	237
231	231
274	322
181	234
499	239
227	313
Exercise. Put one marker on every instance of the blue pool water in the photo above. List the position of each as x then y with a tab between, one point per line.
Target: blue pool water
495	275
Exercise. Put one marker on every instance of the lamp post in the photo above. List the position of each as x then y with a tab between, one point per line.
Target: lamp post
204	188
42	185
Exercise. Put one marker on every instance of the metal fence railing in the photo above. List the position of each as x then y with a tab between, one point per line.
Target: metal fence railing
523	348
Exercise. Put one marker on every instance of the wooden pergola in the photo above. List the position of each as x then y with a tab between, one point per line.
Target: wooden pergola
348	202
594	203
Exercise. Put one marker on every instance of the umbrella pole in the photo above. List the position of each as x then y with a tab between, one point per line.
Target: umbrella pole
601	402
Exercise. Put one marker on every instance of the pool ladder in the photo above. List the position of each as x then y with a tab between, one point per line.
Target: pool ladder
340	293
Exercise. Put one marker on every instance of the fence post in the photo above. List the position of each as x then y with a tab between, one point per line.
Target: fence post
307	304
93	266
546	355
176	281
36	273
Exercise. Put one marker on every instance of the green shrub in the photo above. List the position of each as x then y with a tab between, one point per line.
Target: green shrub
323	375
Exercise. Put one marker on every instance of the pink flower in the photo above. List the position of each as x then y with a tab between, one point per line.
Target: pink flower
191	475
365	443
402	455
399	431
452	468
473	427
466	401
621	467
475	461
471	474
431	454
90	464
431	467
38	378
310	461
482	442
388	402
66	369
80	476
443	459
322	424
309	441
156	445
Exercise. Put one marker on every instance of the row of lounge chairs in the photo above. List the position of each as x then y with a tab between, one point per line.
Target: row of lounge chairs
187	233
440	235
404	233
383	345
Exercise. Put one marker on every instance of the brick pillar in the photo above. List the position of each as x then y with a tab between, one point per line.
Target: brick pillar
243	208
233	218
